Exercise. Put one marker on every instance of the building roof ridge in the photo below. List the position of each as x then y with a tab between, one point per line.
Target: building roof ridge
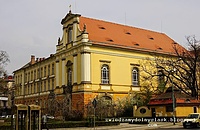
119	24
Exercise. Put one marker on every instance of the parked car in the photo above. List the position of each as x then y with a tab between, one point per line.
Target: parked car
192	120
3	116
50	117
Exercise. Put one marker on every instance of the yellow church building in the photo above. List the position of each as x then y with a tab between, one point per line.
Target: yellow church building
93	58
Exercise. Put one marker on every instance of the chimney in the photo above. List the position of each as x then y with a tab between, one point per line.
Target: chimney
32	59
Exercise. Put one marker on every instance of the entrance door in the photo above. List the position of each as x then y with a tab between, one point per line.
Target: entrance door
195	109
153	112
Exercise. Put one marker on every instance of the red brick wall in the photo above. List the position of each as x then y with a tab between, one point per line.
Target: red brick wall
80	100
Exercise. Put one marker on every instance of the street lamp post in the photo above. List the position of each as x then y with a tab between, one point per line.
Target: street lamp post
173	104
94	105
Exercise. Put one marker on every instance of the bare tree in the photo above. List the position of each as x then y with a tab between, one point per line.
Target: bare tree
52	104
105	107
180	69
3	86
4	59
189	67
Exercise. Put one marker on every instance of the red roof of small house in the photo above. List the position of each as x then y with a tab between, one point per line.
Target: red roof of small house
112	34
166	98
8	78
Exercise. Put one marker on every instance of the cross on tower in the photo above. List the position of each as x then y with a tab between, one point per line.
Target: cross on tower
70	8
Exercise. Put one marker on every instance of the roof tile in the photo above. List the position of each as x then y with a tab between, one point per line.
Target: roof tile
122	35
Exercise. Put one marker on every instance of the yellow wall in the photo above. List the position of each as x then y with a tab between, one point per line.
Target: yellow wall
184	111
121	64
180	111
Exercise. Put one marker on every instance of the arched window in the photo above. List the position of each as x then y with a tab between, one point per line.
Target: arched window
135	77
69	76
69	35
69	72
106	100
105	74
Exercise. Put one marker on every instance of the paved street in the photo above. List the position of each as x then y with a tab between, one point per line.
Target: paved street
126	126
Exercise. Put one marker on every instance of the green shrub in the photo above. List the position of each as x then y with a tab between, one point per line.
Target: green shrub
67	124
72	124
75	115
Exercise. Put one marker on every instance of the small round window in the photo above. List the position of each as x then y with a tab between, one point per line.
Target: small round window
142	110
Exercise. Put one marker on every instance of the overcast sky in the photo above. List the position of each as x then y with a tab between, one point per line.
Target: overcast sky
32	27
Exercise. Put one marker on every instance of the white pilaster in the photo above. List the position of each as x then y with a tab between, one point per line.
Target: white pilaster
74	33
22	82
75	68
85	67
63	72
57	73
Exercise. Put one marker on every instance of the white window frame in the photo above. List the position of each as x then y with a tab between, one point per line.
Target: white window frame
69	76
105	74
69	35
135	76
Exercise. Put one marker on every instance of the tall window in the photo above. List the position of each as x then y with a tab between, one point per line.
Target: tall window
69	76
16	78
45	71
38	87
29	89
28	76
31	75
52	69
34	74
25	90
69	35
135	77
48	70
34	87
105	74
38	73
41	73
41	86
45	85
48	84
69	72
52	85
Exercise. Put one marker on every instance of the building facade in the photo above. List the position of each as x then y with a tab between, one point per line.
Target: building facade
162	105
93	59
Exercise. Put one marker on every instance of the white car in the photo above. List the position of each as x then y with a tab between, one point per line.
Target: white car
4	116
192	120
50	117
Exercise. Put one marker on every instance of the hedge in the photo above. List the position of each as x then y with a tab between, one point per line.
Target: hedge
67	124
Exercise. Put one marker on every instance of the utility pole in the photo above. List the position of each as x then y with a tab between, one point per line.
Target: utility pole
12	108
173	104
173	98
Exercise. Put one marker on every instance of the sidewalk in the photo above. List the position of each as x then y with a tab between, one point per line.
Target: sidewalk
166	124
126	126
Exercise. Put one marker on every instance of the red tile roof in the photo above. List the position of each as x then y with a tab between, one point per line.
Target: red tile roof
169	101
166	98
112	34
